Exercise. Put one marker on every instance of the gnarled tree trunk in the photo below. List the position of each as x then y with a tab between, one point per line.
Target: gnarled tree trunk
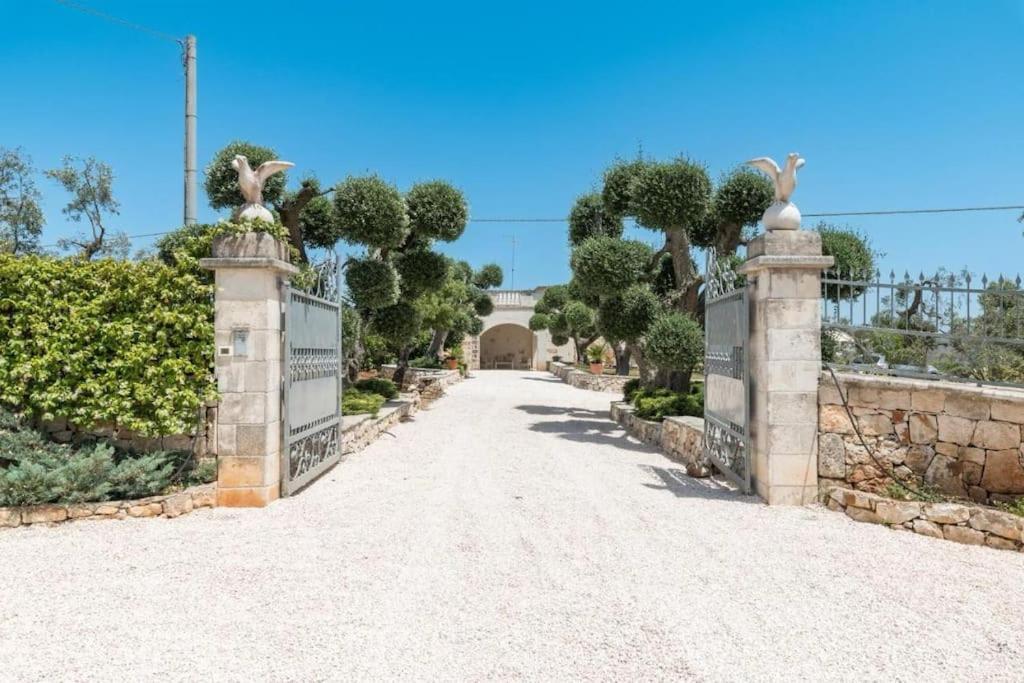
622	355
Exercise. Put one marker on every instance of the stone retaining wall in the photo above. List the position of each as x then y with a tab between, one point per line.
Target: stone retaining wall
680	438
950	521
62	431
171	505
582	379
359	431
414	376
964	440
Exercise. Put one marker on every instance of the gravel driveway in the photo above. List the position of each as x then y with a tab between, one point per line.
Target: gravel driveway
511	531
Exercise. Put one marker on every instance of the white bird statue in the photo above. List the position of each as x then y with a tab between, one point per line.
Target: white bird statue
250	184
782	214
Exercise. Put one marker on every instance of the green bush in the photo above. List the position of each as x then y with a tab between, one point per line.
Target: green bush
428	362
105	341
356	402
675	341
657	404
34	471
629	389
378	385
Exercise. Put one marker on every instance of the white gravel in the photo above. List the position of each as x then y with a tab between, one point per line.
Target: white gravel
510	532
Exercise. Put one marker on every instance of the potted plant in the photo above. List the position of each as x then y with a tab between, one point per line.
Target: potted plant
595	354
454	357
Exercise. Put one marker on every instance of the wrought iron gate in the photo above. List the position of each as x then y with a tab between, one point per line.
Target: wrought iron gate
311	386
726	372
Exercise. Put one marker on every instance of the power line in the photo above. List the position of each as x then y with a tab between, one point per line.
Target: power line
118	20
890	212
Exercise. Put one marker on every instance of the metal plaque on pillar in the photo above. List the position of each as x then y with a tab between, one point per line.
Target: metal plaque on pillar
311	386
726	372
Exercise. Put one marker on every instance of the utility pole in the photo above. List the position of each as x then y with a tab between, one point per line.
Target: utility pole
512	278
188	58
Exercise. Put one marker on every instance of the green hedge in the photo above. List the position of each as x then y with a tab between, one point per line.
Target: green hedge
105	341
659	403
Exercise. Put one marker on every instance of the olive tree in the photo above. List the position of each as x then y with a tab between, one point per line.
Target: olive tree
390	282
90	184
21	218
638	287
566	317
456	308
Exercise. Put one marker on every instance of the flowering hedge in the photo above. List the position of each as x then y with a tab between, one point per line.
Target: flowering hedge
105	341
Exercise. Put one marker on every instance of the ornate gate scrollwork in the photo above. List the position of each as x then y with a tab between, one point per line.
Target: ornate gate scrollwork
311	386
726	372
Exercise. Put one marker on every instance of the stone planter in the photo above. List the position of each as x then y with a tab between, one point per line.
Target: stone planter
249	245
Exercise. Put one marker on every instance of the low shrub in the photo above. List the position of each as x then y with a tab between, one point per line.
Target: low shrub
629	389
34	471
427	362
356	402
657	404
1016	507
378	385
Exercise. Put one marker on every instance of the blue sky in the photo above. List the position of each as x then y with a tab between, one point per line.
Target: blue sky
894	105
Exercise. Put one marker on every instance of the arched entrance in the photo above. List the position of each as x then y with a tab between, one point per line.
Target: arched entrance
506	346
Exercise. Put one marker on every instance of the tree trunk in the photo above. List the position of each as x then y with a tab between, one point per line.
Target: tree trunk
289	211
686	276
403	365
622	354
437	343
647	374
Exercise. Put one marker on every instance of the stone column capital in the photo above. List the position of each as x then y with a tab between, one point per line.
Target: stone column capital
785	262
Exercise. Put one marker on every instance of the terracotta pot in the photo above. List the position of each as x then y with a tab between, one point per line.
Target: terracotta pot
596	368
453	363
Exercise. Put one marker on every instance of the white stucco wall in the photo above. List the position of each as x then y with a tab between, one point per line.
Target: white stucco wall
516	307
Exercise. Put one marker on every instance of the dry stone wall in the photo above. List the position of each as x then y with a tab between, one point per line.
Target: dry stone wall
950	521
964	440
586	380
63	431
681	438
171	505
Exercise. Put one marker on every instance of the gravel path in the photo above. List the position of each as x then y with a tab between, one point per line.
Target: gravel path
510	532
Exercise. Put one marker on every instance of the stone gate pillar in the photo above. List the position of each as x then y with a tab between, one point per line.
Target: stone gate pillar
249	270
784	269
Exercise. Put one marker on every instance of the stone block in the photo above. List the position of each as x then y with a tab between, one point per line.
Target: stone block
918	457
956	430
862	515
950	450
833	419
792	314
792	375
894	399
44	514
794	344
81	510
792	408
926	528
10	517
963	534
971	406
178	504
851	498
1004	472
878	424
245	408
946	513
897	511
944	474
146	510
973	455
970	473
996	436
993	541
999	523
977	494
251	440
798	284
831	456
257	496
204	496
923	428
827	392
244	471
865	396
792	439
1008	411
928	400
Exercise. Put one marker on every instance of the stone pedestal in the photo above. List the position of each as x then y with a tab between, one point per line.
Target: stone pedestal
785	362
249	271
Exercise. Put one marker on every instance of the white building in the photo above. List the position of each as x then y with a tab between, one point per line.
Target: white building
507	341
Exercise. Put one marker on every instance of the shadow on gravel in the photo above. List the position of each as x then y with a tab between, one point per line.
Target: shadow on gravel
542	379
569	412
600	432
683	485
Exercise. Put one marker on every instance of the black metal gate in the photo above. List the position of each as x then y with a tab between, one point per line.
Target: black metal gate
311	386
726	372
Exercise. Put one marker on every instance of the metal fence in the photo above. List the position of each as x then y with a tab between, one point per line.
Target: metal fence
947	325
